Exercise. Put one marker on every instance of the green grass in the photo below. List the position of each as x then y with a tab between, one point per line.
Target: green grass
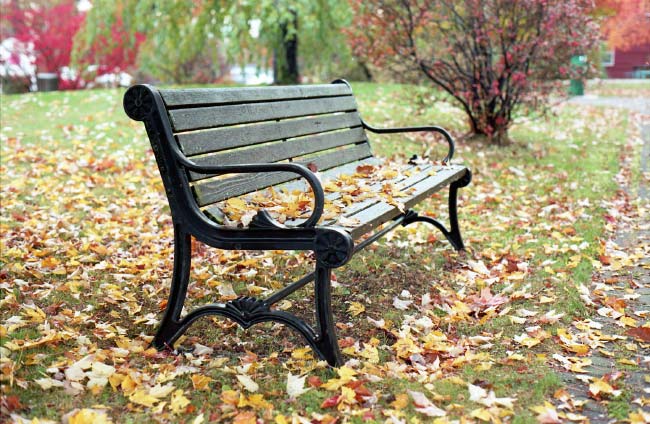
52	141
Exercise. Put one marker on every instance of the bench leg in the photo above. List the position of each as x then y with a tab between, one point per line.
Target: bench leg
170	328
327	345
454	236
453	233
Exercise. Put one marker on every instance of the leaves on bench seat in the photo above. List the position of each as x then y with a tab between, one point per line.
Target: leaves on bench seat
347	194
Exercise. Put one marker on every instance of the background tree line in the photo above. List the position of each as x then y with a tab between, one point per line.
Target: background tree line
490	56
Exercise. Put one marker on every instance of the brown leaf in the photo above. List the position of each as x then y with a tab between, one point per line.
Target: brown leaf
365	169
11	403
642	333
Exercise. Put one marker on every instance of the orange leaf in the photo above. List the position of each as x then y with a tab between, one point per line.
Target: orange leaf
314	381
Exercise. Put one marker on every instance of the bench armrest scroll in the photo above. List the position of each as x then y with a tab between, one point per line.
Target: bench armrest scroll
296	168
431	128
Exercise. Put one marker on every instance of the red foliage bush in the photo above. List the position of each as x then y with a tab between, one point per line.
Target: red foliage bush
49	31
489	55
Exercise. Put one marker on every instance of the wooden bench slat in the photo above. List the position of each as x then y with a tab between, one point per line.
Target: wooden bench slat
215	140
201	96
281	150
381	212
217	116
402	182
214	191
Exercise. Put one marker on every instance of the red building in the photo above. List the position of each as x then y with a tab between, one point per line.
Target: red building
631	63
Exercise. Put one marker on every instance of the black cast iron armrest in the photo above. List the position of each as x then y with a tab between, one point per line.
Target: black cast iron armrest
432	128
296	168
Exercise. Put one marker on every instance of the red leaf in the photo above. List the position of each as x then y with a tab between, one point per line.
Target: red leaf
642	333
331	402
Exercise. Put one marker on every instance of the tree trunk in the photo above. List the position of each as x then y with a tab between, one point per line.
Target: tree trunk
285	63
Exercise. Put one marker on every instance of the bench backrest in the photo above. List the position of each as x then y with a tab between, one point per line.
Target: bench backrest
316	125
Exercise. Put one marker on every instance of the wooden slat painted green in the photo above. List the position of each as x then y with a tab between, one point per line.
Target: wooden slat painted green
220	96
215	140
216	116
402	182
214	191
370	218
281	150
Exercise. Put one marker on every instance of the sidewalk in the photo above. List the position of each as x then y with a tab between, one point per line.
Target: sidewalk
636	104
621	289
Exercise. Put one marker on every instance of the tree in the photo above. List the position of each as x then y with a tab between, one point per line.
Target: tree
48	29
177	34
489	55
108	54
626	23
293	33
290	32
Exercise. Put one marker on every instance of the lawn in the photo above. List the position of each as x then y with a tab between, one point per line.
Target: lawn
86	262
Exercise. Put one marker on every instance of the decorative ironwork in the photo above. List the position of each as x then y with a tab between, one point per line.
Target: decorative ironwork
263	219
247	308
138	102
332	249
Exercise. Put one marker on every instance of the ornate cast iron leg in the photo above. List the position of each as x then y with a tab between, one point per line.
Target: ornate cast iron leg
327	345
170	329
453	234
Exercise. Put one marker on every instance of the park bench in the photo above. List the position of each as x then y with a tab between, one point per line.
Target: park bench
213	145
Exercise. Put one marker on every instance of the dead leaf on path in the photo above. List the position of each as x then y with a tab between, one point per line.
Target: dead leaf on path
641	333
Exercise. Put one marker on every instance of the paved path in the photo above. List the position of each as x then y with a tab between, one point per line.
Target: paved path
632	237
636	104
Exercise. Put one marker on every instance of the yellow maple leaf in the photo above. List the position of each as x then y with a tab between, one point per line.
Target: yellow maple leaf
482	414
302	353
89	416
200	382
600	386
230	397
401	401
178	402
627	321
371	353
356	308
348	397
346	373
141	397
255	401
405	347
546	414
580	349
526	340
639	417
